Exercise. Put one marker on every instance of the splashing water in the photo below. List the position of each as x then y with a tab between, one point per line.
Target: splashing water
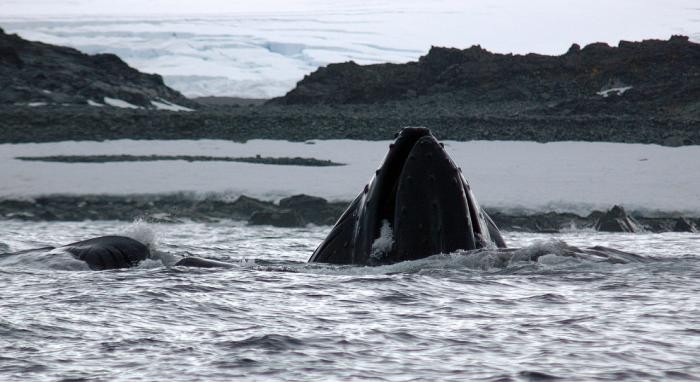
383	244
141	231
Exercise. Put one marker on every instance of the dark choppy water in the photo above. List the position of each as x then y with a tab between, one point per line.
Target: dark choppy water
273	317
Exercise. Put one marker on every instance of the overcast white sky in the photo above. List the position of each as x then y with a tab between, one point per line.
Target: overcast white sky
189	7
625	10
452	22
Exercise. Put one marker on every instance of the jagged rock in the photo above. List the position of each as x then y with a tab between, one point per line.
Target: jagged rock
247	206
595	215
590	80
313	209
172	208
548	222
684	225
280	218
469	94
617	220
37	73
303	201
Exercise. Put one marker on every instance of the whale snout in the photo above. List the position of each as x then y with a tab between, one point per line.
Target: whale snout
417	204
432	213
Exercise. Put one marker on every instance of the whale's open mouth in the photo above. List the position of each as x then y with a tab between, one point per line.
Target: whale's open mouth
421	194
416	205
389	175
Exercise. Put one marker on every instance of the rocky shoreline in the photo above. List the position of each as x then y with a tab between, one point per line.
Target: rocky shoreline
636	92
22	124
299	211
258	159
36	74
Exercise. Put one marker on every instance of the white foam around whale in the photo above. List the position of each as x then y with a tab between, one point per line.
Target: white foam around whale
382	245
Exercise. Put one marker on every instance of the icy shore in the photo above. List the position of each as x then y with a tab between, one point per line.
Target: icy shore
576	177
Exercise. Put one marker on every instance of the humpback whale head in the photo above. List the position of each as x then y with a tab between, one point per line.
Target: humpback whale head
417	204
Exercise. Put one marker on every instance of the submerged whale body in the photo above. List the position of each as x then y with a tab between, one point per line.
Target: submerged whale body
116	252
109	252
417	204
101	253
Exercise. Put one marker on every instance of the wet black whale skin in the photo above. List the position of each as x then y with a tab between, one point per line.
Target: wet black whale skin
424	198
109	252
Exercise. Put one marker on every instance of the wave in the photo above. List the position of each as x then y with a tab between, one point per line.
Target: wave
540	257
43	258
545	256
270	342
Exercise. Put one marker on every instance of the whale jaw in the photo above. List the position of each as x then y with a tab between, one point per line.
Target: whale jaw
417	204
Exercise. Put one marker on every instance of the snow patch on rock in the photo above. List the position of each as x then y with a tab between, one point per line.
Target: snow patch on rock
617	91
165	105
120	103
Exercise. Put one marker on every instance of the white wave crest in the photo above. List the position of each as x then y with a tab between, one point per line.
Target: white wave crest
142	232
540	256
383	244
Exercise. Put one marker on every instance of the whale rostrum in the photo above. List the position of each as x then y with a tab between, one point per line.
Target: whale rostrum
416	205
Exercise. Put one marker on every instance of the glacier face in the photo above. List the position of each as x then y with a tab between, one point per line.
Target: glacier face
261	49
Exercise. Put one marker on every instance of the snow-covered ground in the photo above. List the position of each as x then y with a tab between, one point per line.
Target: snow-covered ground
260	49
561	176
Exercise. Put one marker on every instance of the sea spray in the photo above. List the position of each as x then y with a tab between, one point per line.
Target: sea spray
383	244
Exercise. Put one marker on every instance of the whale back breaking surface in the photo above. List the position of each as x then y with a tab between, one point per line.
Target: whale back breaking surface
109	252
417	204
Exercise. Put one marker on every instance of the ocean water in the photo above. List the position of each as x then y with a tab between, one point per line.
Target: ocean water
467	316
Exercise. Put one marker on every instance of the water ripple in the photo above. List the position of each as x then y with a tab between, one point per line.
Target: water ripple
272	316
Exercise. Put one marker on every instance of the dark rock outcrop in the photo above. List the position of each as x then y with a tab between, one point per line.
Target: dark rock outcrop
642	92
37	73
595	79
302	201
548	222
247	206
295	211
172	208
448	120
282	161
684	225
278	218
313	209
617	220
